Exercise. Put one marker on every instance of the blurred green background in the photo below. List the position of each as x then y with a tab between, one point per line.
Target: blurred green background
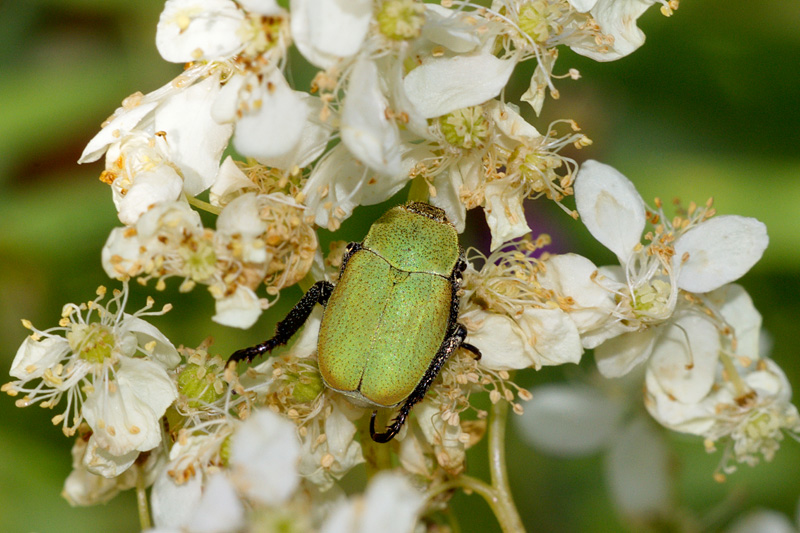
708	107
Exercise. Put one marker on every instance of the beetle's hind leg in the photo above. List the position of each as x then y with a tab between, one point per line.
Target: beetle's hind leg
447	348
317	294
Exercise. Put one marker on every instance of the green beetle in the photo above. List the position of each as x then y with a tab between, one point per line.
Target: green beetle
390	323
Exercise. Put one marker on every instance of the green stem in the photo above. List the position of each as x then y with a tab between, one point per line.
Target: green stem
506	511
205	206
141	498
498	494
377	456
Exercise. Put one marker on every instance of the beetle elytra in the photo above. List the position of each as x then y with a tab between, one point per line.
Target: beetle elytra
390	323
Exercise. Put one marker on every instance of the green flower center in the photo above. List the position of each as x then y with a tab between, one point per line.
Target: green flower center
536	168
200	260
199	385
92	342
465	128
538	19
308	386
652	299
401	19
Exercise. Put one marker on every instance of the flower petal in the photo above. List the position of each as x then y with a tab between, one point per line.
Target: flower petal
163	351
443	85
638	472
149	188
327	30
685	358
592	306
123	121
126	417
174	504
219	509
365	129
721	250
35	356
275	122
314	138
192	30
195	140
504	214
264	455
554	336
610	207
238	310
569	420
619	355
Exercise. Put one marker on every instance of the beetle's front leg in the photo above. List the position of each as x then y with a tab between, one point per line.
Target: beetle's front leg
317	294
449	345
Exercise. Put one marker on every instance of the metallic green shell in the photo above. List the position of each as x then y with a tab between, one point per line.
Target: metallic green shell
415	238
389	313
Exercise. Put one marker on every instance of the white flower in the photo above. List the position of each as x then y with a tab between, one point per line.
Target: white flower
112	368
575	420
534	338
161	144
264	456
181	488
366	130
328	30
442	85
390	505
583	296
737	393
490	156
83	487
194	30
325	459
698	255
511	319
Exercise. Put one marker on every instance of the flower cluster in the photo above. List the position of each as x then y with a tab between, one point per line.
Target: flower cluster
405	94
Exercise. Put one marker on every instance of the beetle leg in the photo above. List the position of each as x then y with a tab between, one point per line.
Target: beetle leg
317	294
351	248
472	348
449	345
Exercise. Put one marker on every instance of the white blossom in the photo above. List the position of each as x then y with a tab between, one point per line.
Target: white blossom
328	30
575	420
696	256
445	84
83	487
112	368
736	393
193	30
534	338
264	456
390	504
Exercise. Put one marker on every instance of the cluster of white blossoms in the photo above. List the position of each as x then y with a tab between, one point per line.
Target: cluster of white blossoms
405	94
